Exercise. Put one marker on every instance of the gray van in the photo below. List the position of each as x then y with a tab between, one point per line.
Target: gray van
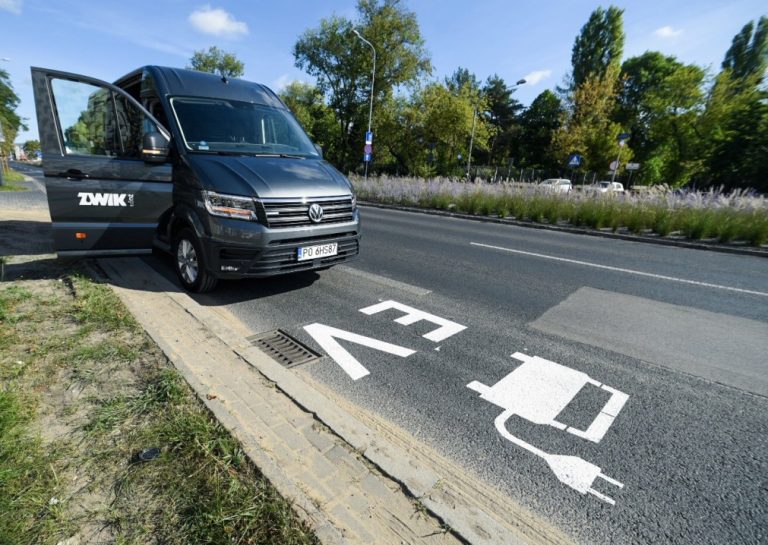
216	171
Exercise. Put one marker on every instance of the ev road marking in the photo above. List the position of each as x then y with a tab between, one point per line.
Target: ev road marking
326	336
447	328
537	391
619	269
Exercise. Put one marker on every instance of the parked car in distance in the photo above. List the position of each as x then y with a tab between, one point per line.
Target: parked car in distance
556	185
608	187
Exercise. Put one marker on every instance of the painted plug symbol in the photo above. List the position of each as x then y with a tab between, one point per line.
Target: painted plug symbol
538	390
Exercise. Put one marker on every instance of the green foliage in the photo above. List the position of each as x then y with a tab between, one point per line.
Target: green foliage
588	128
98	306
539	123
598	46
10	122
306	103
342	65
747	58
216	61
31	147
27	479
501	116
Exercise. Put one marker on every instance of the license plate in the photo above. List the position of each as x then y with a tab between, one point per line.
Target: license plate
317	252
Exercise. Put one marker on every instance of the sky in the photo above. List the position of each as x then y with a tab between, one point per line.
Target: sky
514	38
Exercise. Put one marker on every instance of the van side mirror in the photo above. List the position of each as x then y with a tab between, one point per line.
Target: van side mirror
319	149
154	148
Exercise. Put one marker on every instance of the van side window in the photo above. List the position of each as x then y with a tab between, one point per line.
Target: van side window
96	121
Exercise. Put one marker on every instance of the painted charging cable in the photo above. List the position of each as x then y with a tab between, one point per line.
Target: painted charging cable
570	470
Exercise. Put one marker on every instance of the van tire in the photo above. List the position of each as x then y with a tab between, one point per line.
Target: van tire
189	262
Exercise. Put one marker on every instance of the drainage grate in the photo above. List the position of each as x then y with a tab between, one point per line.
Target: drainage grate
283	348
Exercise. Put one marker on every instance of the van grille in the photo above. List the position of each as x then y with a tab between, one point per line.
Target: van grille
278	213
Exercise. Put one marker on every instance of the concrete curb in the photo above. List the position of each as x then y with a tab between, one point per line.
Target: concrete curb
713	247
473	512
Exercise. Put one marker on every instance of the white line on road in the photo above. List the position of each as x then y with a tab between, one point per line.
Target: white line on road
619	269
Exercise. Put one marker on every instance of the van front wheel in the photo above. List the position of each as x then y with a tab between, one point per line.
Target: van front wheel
190	263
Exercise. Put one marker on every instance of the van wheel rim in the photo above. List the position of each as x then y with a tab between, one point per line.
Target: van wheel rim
186	258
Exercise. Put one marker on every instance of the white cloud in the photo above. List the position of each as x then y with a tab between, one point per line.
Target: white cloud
14	6
668	32
216	21
535	77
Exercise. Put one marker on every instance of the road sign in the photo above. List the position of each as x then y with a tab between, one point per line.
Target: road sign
574	160
367	157
633	166
614	165
368	137
368	149
624	136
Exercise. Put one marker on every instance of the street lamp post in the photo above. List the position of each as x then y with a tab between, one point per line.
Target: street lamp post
373	76
472	138
2	139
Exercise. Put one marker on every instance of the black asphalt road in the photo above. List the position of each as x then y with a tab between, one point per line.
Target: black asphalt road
691	443
683	333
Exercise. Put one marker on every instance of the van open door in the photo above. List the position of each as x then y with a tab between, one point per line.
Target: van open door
105	160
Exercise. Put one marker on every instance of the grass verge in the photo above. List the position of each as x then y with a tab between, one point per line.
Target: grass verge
84	393
702	216
11	181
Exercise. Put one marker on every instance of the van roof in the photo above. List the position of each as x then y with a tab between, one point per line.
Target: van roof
182	82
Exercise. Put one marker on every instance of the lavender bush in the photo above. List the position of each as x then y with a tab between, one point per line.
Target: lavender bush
740	216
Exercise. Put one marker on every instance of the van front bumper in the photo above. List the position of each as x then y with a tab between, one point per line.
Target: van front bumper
272	252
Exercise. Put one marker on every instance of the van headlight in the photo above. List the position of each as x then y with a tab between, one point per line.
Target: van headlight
230	206
354	202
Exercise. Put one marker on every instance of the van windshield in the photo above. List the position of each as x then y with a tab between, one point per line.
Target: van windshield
214	125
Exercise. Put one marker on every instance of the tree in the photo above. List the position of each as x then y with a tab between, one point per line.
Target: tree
342	65
598	46
306	103
588	128
501	115
736	122
10	122
217	61
31	147
461	78
748	54
539	123
660	103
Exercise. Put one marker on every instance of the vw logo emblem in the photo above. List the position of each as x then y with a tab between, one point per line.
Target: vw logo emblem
316	213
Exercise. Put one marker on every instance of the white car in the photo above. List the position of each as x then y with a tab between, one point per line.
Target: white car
609	187
556	185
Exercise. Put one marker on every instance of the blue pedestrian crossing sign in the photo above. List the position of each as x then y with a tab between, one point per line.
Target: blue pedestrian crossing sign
367	157
574	160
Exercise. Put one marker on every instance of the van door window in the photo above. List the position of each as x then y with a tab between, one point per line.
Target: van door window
86	118
95	121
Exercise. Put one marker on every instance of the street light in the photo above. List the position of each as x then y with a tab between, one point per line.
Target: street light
373	76
472	138
2	139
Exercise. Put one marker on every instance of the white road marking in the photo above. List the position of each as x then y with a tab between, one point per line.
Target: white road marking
412	315
619	269
326	337
537	391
